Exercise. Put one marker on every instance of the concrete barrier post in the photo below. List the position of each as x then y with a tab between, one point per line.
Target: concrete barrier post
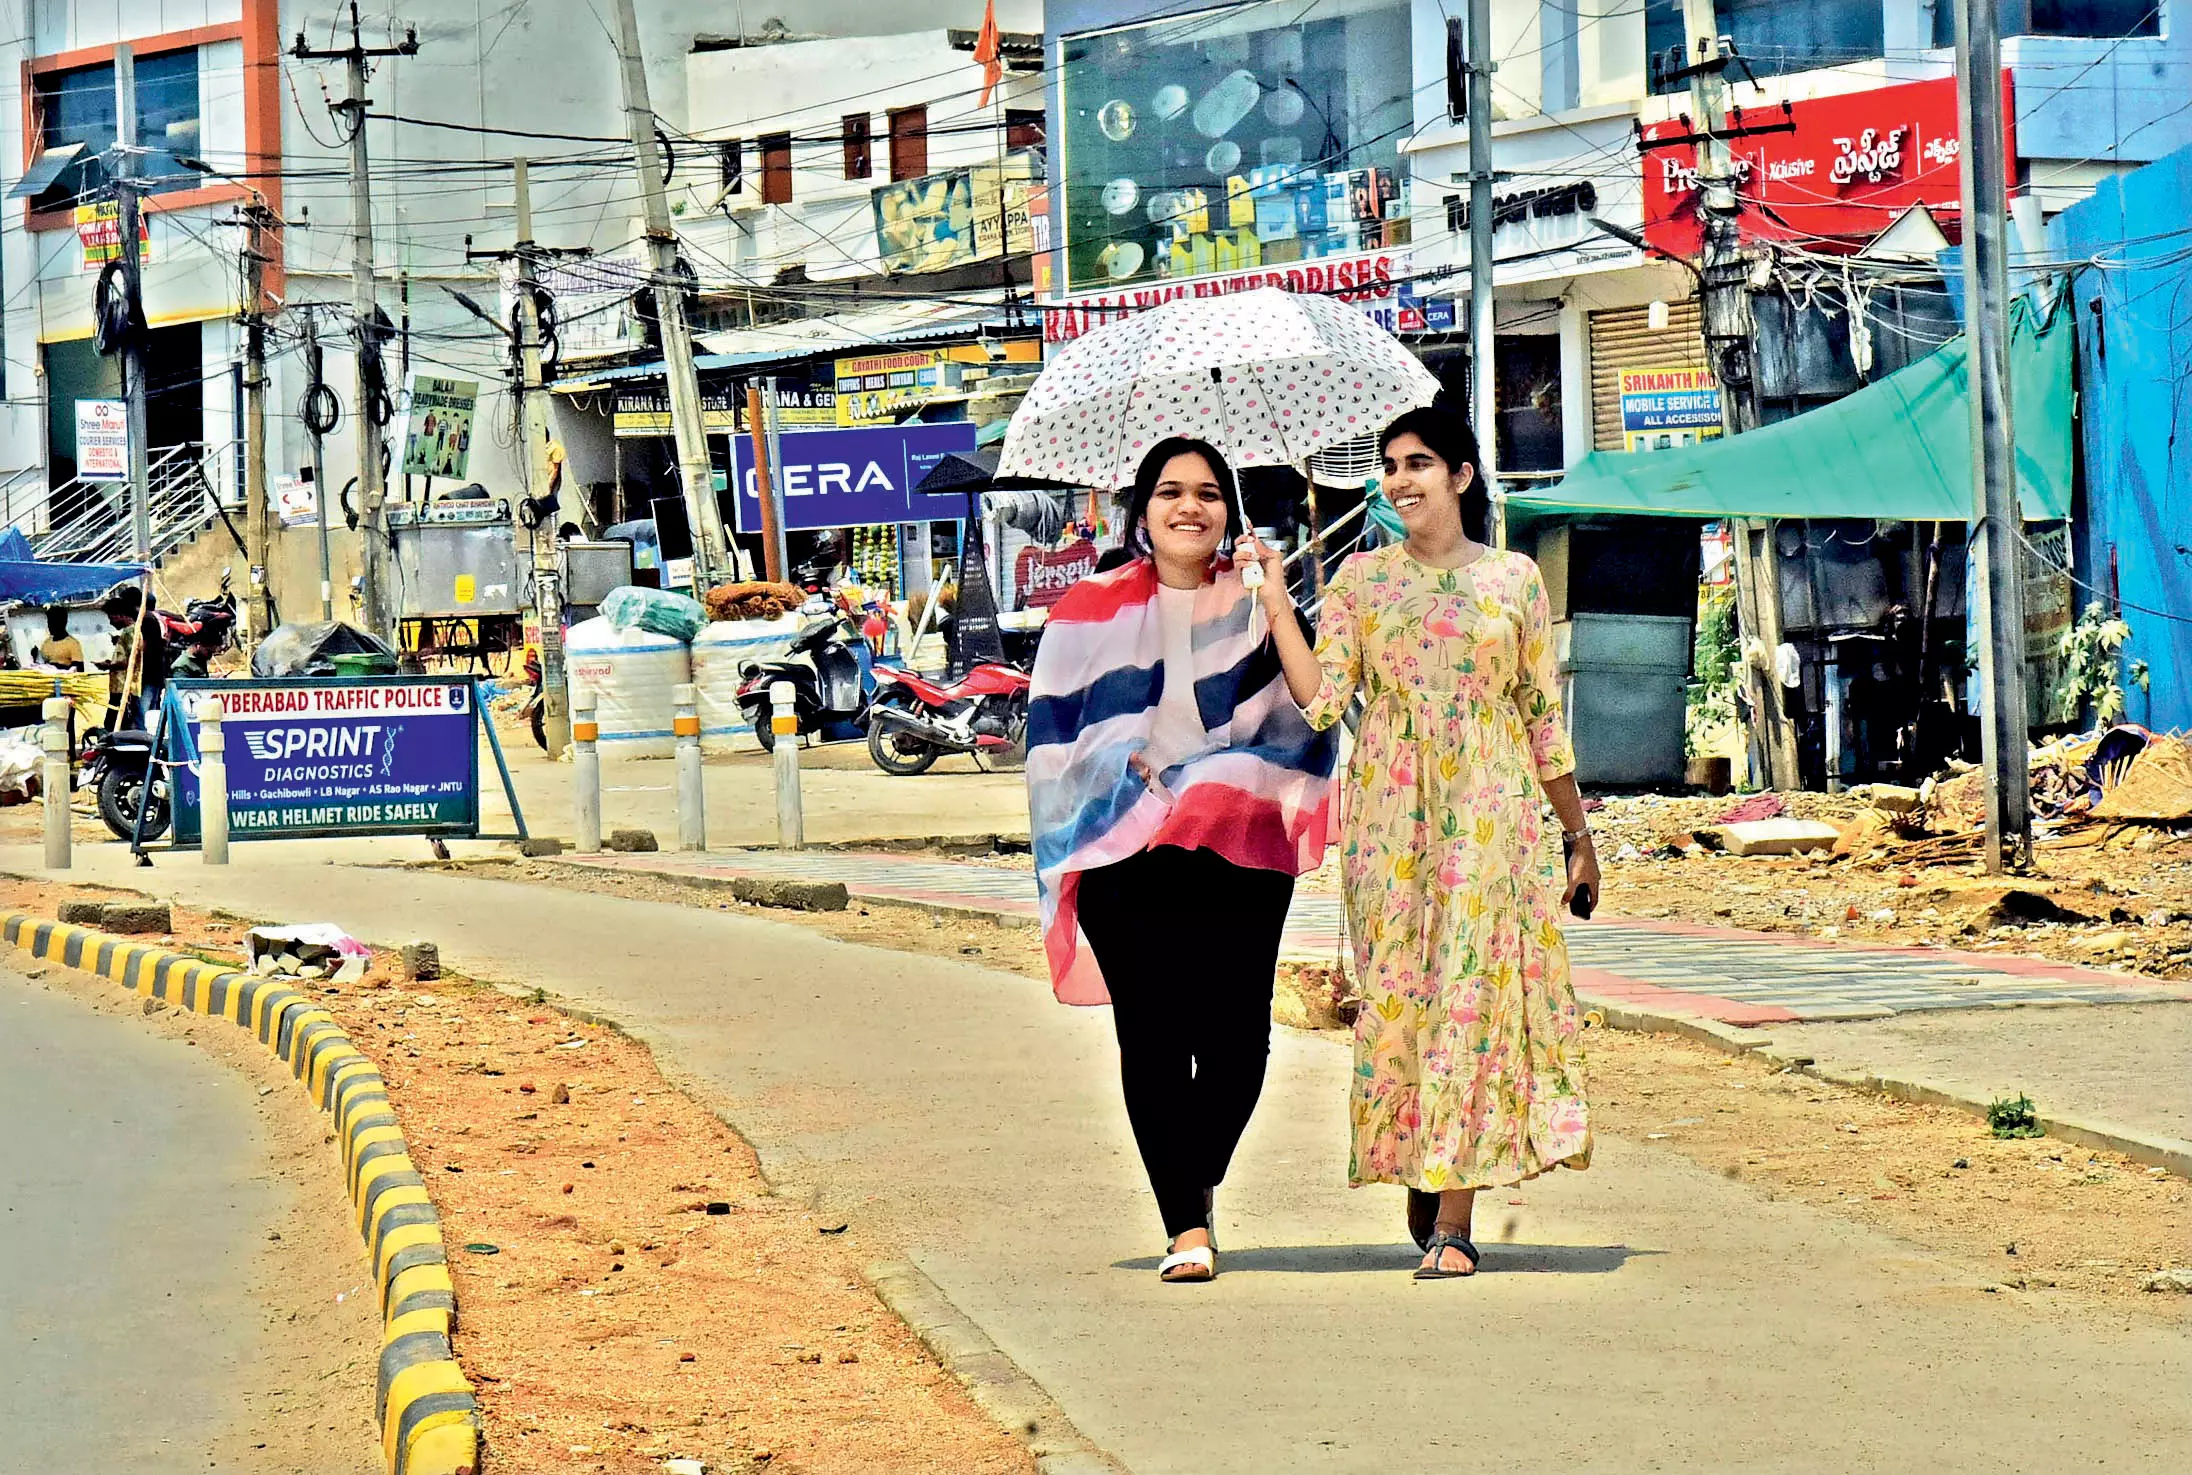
784	728
213	780
55	782
692	797
585	771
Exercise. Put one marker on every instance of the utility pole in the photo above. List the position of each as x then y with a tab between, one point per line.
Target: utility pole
258	513
695	470
2004	725
318	420
371	391
133	338
547	583
1483	385
1724	302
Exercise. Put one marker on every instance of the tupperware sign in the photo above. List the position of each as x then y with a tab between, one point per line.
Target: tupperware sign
854	478
385	756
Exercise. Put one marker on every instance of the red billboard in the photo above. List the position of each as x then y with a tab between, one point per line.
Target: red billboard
1850	167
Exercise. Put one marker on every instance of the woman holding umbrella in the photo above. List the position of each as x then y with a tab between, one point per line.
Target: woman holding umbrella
1174	792
1468	1072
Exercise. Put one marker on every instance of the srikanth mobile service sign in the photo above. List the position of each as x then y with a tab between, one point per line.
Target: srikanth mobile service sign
372	756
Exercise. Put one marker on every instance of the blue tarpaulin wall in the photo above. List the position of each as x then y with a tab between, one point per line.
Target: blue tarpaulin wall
26	579
2134	531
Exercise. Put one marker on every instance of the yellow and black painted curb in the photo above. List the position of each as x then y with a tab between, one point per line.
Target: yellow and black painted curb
429	1419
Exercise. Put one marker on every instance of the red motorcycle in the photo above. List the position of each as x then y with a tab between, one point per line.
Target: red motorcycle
912	722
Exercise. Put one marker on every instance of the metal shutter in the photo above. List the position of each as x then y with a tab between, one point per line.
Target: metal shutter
1622	338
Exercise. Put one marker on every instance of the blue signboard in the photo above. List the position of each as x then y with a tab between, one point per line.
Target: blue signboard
392	755
854	478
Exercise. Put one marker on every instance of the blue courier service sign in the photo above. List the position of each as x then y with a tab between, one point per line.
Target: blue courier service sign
373	756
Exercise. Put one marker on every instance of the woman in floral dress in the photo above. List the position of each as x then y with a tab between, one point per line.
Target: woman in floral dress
1468	1068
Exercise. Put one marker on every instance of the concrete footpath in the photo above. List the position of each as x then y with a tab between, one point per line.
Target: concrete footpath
1978	1026
1644	1315
136	1198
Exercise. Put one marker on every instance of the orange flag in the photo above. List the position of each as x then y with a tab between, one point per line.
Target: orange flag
986	52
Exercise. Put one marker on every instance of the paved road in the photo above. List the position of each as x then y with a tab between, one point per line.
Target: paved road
132	1195
1644	1315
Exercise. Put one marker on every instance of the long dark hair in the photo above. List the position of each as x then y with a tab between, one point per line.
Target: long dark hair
1449	438
1152	467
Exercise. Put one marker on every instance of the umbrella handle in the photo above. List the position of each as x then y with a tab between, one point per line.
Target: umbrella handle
1251	576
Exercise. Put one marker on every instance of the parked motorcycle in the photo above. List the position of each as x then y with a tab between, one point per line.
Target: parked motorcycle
113	765
205	629
912	721
825	677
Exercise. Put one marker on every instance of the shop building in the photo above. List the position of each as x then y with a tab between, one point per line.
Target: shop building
873	270
230	118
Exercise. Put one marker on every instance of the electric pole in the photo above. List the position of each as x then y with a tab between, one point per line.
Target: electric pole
256	219
133	336
547	585
371	392
319	413
1483	386
695	470
1731	332
2004	725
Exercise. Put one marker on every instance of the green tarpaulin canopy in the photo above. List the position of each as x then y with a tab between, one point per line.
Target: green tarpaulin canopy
1900	448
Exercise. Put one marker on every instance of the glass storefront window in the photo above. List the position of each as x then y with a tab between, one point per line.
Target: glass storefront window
1233	138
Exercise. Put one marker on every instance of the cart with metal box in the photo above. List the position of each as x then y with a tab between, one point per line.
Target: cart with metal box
463	583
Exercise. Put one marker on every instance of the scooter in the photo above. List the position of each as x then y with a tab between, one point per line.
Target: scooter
114	765
827	689
912	722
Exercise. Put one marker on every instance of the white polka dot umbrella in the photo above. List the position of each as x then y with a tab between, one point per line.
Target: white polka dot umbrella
1294	374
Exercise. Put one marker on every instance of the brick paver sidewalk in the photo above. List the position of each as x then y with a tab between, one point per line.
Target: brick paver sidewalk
1716	973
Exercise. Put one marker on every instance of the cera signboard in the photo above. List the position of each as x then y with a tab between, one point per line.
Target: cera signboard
1835	180
854	478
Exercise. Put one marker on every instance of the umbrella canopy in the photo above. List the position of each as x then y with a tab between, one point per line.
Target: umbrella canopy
1269	377
976	471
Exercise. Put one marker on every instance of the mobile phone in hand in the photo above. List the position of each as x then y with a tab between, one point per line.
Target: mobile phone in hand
1584	902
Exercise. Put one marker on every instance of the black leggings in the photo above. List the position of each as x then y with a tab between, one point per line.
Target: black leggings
1188	942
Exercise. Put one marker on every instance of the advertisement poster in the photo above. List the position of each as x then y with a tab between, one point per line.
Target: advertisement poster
1842	172
102	440
99	235
296	503
440	439
873	387
939	221
854	478
1678	405
385	756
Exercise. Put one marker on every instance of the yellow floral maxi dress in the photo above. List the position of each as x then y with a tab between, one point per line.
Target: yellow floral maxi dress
1468	1067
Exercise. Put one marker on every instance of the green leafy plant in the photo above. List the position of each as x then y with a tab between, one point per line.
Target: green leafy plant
1711	704
2092	667
2014	1118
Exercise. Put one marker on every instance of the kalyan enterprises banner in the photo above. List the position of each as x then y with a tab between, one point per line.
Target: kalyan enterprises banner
377	756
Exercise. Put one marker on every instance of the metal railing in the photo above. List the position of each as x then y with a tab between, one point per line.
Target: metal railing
21	494
96	527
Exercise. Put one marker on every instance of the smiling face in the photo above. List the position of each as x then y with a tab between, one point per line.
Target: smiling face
1423	489
1186	518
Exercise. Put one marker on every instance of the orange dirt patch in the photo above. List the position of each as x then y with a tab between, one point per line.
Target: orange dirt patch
646	1297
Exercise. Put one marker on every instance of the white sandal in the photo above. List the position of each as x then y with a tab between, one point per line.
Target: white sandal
1201	1255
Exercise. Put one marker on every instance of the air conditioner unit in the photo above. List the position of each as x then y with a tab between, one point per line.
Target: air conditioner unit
1349	464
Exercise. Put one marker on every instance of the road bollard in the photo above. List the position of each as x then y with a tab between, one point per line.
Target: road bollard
692	798
784	728
212	781
54	739
585	772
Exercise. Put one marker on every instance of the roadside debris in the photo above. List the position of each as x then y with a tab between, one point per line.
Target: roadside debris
307	950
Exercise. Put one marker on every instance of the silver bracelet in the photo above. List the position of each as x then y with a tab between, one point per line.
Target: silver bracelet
1575	837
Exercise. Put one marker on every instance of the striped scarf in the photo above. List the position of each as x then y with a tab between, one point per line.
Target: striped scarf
1256	794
